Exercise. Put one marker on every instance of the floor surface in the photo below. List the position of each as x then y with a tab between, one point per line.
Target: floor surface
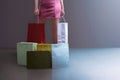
85	64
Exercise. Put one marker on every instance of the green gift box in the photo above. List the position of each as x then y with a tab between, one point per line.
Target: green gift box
39	59
22	48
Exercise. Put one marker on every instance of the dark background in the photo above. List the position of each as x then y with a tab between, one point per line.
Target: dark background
92	23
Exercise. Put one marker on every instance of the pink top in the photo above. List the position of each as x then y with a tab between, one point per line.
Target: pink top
49	1
50	9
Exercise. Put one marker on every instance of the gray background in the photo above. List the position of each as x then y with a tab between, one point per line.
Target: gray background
92	23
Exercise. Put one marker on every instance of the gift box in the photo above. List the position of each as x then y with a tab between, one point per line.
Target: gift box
44	47
39	59
38	56
60	55
22	48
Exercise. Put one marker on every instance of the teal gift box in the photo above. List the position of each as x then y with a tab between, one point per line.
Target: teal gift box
22	48
60	55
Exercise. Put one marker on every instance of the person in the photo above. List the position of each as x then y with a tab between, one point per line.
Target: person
50	9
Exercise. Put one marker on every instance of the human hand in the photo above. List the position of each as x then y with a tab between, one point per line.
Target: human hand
62	12
36	12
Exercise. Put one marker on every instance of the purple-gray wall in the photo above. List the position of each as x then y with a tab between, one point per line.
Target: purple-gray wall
92	23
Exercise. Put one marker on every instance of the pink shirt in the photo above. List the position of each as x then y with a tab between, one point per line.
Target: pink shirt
50	9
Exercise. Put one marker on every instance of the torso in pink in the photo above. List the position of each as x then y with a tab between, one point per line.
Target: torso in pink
50	9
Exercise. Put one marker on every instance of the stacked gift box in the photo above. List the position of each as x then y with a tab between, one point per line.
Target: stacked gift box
36	54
